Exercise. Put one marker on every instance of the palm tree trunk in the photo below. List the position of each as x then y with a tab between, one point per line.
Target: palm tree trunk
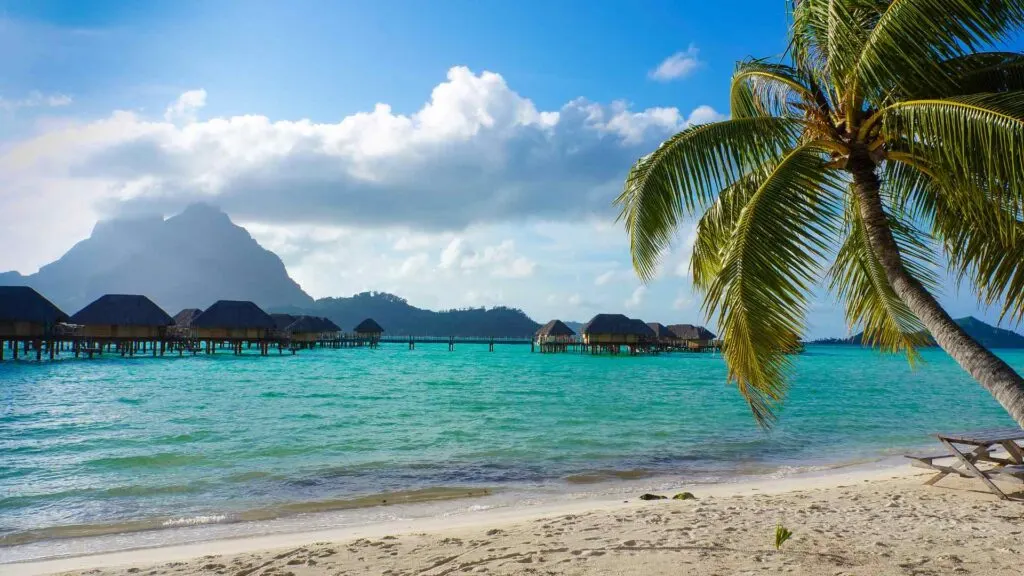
992	373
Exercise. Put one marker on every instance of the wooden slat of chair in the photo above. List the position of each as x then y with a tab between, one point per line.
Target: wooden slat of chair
986	436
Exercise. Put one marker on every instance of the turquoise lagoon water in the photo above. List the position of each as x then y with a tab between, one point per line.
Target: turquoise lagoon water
142	443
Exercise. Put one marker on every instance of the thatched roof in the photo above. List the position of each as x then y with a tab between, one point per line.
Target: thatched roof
307	325
122	310
23	304
660	330
283	321
691	332
555	328
368	326
310	325
186	316
642	329
234	314
615	324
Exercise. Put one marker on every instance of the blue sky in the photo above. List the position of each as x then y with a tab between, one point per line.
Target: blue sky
456	153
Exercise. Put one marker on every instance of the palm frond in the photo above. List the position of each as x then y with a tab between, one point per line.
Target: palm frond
686	172
985	244
772	259
715	227
912	38
828	35
858	279
976	140
981	73
983	236
761	88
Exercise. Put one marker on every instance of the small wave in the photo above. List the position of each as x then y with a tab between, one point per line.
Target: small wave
598	476
130	401
162	460
194	521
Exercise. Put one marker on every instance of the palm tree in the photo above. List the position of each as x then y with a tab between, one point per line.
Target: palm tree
886	143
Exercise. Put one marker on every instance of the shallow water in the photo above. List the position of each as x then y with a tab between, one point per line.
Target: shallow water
112	444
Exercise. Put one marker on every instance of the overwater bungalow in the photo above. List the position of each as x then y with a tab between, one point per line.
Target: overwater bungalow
306	331
646	334
554	336
609	332
283	321
129	321
369	331
665	338
27	316
694	337
237	322
333	330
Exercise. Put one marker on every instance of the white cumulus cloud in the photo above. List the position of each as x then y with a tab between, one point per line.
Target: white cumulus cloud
677	66
477	152
636	298
185	107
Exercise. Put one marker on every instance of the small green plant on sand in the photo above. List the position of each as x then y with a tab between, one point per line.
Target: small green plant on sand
781	535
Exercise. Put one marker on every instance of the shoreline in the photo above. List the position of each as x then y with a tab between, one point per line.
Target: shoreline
466	519
413	504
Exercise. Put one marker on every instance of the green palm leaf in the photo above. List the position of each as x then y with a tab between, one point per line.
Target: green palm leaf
981	73
772	259
715	227
970	137
685	173
760	88
858	279
911	39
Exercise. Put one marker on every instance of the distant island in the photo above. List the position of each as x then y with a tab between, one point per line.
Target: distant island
987	335
399	318
199	256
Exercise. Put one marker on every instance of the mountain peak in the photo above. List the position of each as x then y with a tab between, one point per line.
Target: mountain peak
201	212
187	261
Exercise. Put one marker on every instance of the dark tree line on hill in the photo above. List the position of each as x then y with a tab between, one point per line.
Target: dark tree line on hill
987	335
399	318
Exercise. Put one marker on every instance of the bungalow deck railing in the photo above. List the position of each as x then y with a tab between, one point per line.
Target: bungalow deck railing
181	340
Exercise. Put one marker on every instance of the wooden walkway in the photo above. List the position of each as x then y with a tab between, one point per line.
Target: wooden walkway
80	346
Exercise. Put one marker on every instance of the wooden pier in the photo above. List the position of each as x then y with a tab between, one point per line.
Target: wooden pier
132	325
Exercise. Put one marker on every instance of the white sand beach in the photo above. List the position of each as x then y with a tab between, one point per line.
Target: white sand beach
853	523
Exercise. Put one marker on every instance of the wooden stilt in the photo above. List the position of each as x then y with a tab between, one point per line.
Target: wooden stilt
39	350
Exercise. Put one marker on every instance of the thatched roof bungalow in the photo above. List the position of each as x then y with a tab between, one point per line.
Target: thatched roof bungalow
554	332
662	333
332	328
25	313
644	331
123	316
615	329
233	319
312	329
369	327
693	336
283	321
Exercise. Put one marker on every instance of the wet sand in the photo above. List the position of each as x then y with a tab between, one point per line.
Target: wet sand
857	523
